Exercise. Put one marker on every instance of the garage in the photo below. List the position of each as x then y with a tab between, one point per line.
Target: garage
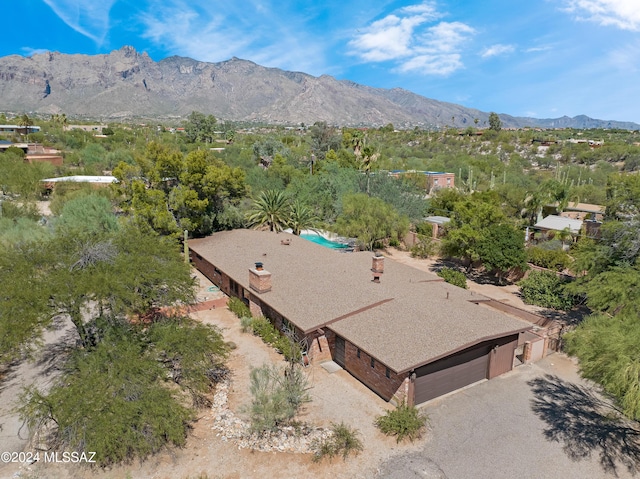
483	361
451	373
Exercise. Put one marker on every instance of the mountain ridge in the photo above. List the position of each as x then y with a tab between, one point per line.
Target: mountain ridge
127	84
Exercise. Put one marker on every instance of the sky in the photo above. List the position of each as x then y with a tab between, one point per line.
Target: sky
537	58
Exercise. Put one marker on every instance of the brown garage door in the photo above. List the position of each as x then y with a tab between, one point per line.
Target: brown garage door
451	373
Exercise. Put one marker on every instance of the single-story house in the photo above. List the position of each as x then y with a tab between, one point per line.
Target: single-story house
49	183
559	223
404	333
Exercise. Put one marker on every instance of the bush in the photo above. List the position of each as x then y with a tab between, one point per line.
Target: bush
343	441
194	354
262	327
545	289
424	248
111	402
403	422
246	324
453	277
557	259
278	394
237	307
289	348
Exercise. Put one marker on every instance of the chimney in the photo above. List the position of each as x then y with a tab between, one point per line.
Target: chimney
377	263
259	279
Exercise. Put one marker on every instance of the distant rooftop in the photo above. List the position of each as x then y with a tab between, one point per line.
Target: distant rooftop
82	179
558	223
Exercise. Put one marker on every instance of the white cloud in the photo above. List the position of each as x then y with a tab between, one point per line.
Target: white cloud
87	17
387	39
623	14
212	31
409	38
543	48
496	50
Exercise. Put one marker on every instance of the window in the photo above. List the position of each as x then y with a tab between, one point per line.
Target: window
387	373
373	363
358	352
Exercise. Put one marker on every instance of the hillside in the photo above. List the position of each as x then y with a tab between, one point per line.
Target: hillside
128	84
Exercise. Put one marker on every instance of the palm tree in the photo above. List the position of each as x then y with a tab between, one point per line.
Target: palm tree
301	217
564	236
269	209
25	122
369	157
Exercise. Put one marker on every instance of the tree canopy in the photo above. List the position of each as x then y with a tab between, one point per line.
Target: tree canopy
370	220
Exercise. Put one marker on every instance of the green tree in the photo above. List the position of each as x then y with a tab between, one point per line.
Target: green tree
544	288
91	278
270	209
468	227
502	249
371	220
323	139
495	123
90	214
169	192
607	349
301	217
114	399
200	127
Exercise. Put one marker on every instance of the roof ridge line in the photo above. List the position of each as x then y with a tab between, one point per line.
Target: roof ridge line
353	313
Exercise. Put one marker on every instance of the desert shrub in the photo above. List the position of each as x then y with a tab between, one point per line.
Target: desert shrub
112	402
342	441
193	352
550	245
403	422
278	394
262	327
237	307
453	277
555	259
424	229
424	248
246	324
545	289
289	348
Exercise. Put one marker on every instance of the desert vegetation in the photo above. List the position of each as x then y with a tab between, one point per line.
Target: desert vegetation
80	261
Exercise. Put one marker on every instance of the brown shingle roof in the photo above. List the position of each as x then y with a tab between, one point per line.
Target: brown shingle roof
409	318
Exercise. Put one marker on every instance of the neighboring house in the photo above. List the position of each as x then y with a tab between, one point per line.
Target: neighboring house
404	333
88	128
49	183
35	153
554	223
584	211
5	145
18	129
437	223
434	180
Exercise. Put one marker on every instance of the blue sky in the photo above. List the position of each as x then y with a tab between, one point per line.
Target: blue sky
540	58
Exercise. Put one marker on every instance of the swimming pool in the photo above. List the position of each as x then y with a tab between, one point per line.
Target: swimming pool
314	238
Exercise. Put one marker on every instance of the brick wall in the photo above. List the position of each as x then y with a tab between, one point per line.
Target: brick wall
390	388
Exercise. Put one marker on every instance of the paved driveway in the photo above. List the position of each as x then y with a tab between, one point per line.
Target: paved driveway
538	421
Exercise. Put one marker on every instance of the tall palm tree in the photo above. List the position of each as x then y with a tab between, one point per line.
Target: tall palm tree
270	209
367	160
25	122
301	217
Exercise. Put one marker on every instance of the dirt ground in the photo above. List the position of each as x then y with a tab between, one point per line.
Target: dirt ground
336	397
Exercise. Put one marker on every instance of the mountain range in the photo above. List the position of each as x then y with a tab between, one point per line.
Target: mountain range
126	84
